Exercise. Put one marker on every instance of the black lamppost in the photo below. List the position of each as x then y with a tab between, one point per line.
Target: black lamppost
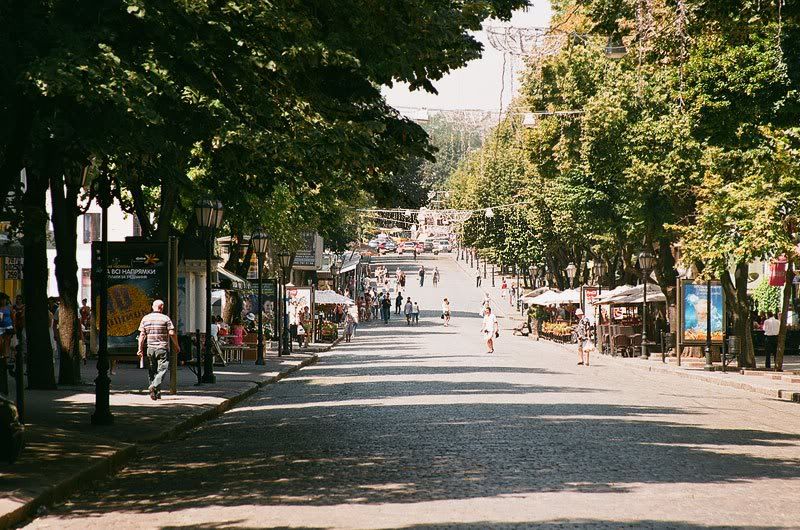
102	383
259	240
709	365
286	260
209	219
334	268
599	271
571	270
646	262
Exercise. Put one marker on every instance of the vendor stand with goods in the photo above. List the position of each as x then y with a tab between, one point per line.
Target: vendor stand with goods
330	308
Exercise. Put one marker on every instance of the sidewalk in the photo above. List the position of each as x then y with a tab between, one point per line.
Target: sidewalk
784	385
63	450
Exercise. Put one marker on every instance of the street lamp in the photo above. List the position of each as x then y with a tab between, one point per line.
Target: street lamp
334	268
599	269
209	219
259	241
102	384
286	260
571	271
646	262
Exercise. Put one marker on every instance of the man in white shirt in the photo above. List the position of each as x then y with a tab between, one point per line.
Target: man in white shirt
772	327
490	329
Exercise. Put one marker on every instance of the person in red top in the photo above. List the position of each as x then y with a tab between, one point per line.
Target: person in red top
237	333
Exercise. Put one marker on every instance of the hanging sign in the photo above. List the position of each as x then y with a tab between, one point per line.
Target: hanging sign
777	272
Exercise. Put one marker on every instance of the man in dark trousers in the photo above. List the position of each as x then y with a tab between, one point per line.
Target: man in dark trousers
772	327
386	307
421	276
398	303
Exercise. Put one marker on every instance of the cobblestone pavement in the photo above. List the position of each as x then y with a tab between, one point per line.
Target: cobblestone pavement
417	427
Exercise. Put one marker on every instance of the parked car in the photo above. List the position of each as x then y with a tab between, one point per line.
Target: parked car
11	431
406	246
373	243
442	245
389	245
420	247
427	245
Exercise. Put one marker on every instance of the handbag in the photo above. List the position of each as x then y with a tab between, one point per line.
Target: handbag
441	316
497	334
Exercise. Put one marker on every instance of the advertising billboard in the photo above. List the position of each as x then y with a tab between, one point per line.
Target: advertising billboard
138	274
694	312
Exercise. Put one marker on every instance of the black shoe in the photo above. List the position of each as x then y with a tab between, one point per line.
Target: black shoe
158	394
153	394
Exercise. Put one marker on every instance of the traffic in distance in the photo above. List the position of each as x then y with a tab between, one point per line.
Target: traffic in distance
384	243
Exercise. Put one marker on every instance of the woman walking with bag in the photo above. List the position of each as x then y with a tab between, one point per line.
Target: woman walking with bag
490	329
446	312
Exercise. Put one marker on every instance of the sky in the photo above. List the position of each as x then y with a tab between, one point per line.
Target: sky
479	84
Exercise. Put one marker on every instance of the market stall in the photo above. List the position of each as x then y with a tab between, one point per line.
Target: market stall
620	323
330	308
556	313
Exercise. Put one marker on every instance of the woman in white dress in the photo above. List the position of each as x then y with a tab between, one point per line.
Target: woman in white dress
490	329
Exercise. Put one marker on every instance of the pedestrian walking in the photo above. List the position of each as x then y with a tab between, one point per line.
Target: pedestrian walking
386	308
376	304
421	276
402	279
582	332
415	253
415	313
398	303
477	277
503	287
156	330
772	327
348	327
353	312
408	310
490	329
446	312
6	332
436	276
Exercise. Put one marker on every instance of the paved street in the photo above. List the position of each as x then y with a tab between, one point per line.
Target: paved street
417	427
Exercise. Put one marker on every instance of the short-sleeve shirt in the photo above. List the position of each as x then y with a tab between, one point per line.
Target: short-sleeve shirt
489	322
156	328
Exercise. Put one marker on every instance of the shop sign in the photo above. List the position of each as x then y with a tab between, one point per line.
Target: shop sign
138	274
309	255
694	311
12	267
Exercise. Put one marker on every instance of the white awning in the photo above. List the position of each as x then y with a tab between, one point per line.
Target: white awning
330	297
237	282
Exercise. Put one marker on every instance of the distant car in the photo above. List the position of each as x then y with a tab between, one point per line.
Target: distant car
442	245
427	245
389	245
11	431
406	246
373	243
420	247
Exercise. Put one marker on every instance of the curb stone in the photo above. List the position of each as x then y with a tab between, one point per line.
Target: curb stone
783	395
109	465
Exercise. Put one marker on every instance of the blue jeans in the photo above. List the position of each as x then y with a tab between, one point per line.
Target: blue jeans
158	364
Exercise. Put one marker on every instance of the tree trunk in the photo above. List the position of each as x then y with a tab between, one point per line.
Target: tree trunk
65	232
736	299
41	373
787	300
